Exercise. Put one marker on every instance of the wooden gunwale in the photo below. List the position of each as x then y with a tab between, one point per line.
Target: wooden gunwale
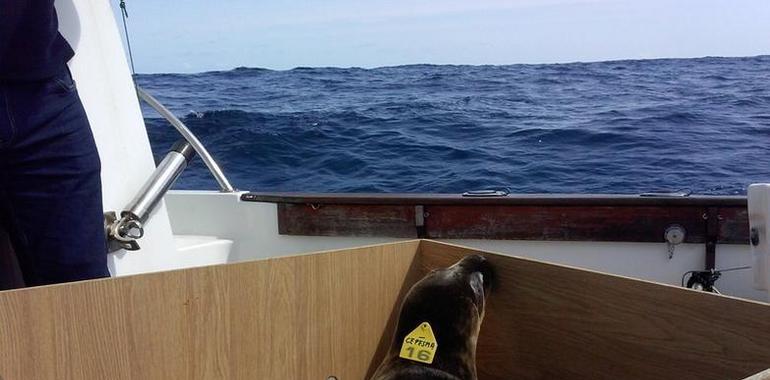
547	217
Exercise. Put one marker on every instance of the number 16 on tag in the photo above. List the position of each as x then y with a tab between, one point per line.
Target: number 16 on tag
420	345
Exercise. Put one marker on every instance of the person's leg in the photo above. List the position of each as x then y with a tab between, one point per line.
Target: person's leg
51	178
10	275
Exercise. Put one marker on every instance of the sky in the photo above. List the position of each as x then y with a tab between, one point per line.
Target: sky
205	35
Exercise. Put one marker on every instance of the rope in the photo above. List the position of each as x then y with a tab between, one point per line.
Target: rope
124	14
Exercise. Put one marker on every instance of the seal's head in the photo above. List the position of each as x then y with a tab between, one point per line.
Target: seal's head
452	301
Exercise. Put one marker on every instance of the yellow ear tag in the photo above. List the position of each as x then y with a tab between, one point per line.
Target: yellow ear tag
420	345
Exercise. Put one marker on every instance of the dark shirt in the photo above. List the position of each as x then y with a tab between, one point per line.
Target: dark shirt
31	47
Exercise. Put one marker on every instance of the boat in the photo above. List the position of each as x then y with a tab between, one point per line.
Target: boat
232	283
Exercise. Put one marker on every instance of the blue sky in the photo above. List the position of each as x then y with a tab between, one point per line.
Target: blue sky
203	35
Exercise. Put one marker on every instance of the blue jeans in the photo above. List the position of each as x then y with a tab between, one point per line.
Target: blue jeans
50	186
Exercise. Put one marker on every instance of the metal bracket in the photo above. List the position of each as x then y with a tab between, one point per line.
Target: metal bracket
114	241
674	235
667	194
706	279
419	220
712	217
487	193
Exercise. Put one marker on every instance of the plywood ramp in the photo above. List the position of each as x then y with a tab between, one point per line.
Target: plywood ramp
304	317
553	322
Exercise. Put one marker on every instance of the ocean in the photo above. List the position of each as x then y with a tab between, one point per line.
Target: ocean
629	127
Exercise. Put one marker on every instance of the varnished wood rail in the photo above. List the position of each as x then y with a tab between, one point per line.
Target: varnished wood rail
560	217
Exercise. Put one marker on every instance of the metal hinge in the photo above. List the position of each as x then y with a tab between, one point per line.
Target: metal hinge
487	193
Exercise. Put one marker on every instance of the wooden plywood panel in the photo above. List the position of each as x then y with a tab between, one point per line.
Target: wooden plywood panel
554	322
309	317
764	375
304	317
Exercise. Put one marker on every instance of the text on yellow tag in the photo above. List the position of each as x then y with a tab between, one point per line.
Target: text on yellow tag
420	345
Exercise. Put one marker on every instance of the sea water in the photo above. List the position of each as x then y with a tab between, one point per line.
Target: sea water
607	127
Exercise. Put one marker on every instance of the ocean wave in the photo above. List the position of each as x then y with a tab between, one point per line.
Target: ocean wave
610	127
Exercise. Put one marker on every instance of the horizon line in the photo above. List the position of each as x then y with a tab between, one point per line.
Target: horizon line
617	60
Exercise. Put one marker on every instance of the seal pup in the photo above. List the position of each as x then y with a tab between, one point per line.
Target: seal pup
439	324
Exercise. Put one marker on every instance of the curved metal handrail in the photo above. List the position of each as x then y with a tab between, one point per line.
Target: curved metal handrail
216	171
